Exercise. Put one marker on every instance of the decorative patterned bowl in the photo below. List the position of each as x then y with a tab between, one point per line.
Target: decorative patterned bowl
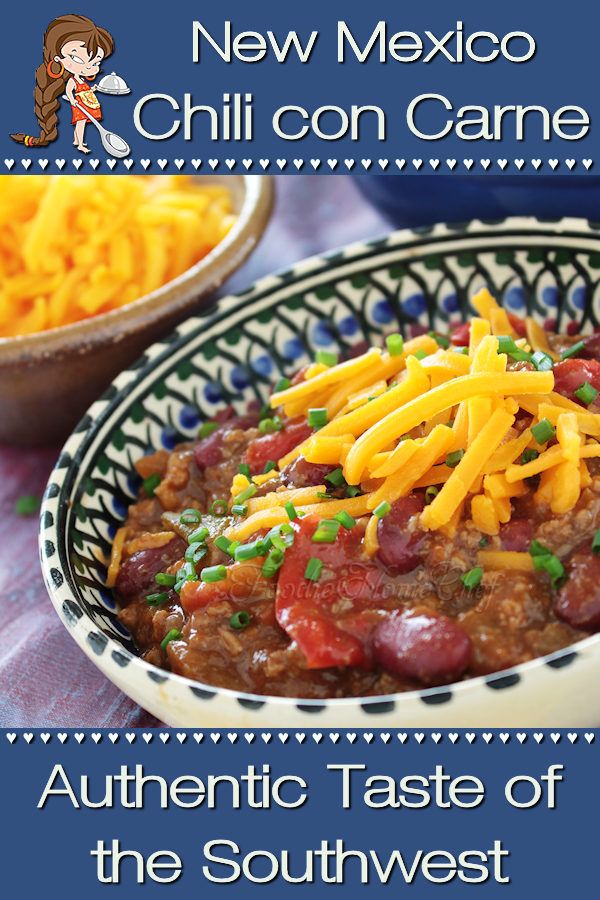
230	354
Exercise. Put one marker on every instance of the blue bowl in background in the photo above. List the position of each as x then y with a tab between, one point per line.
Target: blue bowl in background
412	200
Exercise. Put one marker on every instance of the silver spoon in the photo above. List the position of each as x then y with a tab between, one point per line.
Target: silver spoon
112	143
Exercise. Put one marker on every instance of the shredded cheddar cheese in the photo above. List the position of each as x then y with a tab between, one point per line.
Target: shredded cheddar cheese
422	416
502	560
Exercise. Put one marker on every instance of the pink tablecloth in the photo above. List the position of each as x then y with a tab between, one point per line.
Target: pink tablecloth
45	680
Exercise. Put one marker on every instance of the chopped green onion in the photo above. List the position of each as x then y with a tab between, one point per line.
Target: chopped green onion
269	466
541	361
313	569
553	567
151	483
317	418
244	469
269	425
291	511
326	532
484	541
538	549
282	385
528	456
472	578
250	551
430	493
345	520
596	542
278	542
157	599
506	344
199	535
272	563
195	552
543	431
173	635
281	536
190	516
520	355
420	353
223	543
382	510
586	393
212	574
440	339
353	490
233	547
27	505
395	344
218	507
240	620
573	350
187	572
165	580
246	494
453	459
326	358
545	560
207	429
336	478
463	350
239	509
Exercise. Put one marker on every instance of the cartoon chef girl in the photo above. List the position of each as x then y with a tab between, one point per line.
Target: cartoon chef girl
74	48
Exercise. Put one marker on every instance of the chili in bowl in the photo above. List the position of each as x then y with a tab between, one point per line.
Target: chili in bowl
414	515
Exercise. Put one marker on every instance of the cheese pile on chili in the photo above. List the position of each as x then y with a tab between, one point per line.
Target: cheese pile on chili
421	415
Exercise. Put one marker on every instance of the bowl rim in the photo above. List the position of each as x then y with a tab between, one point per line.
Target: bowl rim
225	306
252	218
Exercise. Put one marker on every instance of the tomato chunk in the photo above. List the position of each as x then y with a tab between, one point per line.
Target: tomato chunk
572	373
460	335
243	581
518	325
276	445
330	619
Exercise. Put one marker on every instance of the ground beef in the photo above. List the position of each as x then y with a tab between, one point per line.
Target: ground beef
415	582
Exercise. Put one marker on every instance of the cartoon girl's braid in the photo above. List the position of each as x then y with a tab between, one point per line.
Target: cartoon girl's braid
46	97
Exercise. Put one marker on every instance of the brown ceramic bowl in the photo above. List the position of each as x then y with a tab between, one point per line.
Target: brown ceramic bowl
48	380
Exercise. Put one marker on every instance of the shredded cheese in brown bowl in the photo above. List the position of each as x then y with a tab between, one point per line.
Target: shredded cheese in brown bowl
72	247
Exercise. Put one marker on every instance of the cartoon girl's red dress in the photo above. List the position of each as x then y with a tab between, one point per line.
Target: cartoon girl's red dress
87	97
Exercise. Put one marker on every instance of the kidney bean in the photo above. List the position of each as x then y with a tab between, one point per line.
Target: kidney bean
137	571
591	349
301	473
420	646
400	549
209	452
516	534
578	600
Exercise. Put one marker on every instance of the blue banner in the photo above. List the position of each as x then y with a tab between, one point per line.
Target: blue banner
310	87
333	813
